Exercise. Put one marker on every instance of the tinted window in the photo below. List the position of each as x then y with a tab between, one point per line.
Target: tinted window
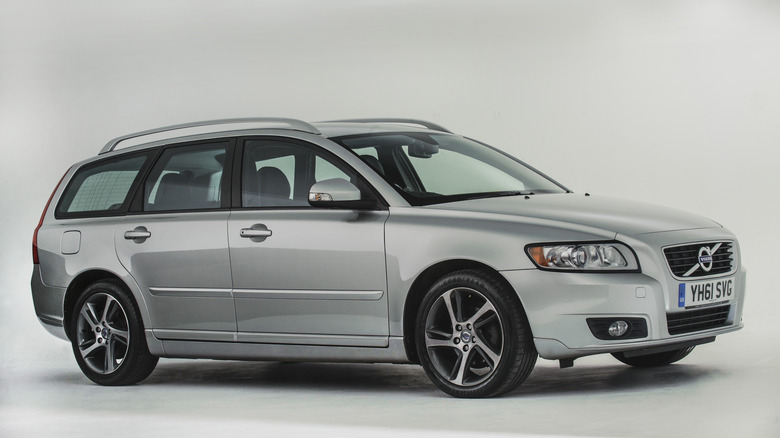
323	169
279	174
186	178
433	168
444	175
101	188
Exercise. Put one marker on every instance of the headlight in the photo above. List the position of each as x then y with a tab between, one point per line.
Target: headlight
586	256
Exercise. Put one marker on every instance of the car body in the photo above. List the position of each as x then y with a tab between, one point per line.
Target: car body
276	239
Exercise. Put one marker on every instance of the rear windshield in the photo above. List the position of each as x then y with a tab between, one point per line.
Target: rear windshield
101	188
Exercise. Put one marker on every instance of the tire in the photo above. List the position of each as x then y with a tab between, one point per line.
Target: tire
654	360
472	336
107	336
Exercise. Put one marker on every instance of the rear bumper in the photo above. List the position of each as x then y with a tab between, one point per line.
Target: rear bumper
49	304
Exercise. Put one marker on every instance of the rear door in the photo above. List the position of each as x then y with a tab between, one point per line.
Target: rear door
303	275
175	243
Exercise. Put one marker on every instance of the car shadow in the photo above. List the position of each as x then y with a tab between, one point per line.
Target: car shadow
543	381
293	375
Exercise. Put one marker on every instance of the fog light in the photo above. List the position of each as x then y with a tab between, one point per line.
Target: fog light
618	328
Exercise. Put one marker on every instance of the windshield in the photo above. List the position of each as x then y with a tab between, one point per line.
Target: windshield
434	168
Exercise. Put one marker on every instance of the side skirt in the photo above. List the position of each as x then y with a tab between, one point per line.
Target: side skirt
393	353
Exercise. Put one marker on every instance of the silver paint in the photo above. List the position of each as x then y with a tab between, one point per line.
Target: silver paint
327	284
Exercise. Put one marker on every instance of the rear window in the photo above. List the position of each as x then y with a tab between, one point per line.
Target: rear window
101	188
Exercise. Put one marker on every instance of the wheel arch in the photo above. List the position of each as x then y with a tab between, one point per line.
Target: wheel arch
424	281
81	282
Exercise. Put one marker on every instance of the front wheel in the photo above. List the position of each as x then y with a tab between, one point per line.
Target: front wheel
654	360
473	337
107	336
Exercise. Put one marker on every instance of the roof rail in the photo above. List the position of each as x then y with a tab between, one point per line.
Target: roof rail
294	124
423	123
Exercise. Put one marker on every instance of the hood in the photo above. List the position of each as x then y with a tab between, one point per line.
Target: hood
610	214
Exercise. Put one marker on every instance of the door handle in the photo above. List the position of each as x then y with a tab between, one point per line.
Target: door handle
138	235
257	233
248	232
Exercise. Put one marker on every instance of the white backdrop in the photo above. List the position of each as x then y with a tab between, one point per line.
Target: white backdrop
671	102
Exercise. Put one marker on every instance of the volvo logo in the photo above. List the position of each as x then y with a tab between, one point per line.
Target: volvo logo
705	258
704	261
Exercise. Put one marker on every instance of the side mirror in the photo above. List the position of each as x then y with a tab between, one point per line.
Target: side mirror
338	193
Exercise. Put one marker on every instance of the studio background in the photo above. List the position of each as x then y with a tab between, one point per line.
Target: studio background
675	103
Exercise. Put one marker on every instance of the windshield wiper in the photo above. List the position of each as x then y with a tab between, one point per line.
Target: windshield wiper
497	194
443	199
515	193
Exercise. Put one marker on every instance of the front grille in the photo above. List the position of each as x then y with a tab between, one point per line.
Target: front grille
697	320
684	259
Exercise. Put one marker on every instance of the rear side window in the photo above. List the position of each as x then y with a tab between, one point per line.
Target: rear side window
187	178
101	188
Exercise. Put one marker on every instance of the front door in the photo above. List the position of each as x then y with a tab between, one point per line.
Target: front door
303	275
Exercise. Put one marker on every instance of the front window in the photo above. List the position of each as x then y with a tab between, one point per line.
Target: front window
434	168
280	173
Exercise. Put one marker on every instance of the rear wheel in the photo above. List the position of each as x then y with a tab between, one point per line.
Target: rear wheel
107	336
654	360
472	336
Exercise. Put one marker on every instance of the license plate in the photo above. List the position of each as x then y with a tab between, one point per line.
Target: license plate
706	292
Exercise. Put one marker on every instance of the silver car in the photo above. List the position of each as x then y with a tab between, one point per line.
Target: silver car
371	240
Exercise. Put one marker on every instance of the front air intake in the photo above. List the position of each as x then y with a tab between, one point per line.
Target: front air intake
697	320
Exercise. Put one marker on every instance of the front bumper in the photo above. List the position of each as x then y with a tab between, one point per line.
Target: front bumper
49	304
558	305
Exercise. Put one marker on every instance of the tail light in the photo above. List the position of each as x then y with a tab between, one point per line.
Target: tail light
40	222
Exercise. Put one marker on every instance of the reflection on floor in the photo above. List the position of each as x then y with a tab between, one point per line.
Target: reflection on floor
714	392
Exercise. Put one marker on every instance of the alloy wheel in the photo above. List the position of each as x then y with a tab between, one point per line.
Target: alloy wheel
464	336
102	333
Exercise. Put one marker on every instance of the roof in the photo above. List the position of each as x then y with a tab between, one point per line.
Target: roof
250	126
338	129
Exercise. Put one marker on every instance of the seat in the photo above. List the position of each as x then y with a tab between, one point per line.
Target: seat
273	187
173	193
205	190
374	163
